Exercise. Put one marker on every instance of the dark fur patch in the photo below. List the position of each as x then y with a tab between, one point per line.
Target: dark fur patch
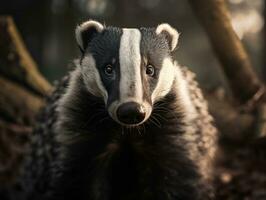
153	49
105	49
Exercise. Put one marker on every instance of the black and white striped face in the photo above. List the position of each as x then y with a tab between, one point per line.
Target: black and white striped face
130	69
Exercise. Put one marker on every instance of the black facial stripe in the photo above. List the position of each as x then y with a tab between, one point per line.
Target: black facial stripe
145	85
154	49
143	50
105	50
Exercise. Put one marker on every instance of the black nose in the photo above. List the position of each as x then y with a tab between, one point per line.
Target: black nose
131	113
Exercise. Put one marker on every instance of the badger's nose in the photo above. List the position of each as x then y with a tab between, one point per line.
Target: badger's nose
131	113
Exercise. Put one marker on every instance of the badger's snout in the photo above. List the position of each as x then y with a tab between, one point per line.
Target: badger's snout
131	113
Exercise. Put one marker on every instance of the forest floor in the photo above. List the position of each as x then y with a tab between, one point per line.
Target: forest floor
241	171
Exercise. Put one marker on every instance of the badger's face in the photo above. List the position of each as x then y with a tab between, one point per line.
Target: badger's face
130	69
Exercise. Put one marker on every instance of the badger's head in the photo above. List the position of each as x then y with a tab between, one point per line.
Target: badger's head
130	69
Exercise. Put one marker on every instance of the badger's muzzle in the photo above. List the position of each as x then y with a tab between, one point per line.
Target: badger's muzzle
131	113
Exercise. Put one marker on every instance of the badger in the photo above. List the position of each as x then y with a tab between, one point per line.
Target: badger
126	123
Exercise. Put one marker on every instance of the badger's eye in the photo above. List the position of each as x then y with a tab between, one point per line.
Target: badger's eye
150	70
108	70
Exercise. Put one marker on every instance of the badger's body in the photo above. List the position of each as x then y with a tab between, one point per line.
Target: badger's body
126	123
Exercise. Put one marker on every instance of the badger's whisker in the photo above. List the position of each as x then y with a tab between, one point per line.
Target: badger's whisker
138	129
144	128
100	113
103	119
158	121
167	111
154	122
160	116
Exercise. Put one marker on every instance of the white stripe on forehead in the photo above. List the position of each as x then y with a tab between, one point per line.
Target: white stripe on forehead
130	61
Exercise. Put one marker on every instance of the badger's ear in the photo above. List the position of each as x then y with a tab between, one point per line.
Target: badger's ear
86	31
170	33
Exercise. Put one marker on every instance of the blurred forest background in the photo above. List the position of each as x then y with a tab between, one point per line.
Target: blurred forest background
47	27
237	100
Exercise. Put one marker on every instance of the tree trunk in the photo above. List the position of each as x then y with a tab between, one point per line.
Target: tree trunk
22	94
16	62
264	43
214	16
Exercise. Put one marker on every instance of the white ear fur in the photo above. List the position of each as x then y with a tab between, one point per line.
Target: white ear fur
173	34
85	27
